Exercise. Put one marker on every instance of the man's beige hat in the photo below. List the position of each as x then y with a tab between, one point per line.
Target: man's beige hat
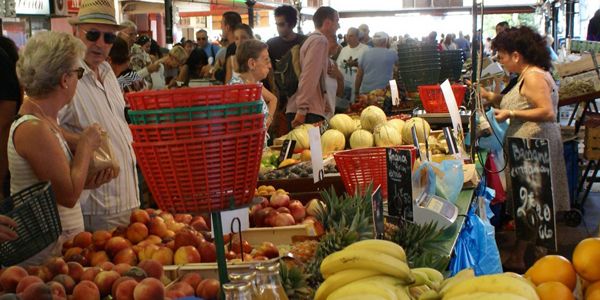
96	12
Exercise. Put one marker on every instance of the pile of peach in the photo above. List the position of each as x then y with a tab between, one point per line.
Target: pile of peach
58	279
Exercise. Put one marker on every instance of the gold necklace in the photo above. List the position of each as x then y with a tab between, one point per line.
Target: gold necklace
523	72
45	117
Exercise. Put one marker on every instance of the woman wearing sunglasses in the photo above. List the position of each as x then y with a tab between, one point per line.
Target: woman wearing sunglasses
49	70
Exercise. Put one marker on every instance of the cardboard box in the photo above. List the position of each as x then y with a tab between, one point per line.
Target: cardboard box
456	3
408	3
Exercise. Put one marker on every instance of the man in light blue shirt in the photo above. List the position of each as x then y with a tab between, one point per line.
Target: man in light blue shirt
376	68
210	49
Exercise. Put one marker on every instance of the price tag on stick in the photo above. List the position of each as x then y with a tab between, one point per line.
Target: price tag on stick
287	150
227	217
399	183
316	153
377	209
394	92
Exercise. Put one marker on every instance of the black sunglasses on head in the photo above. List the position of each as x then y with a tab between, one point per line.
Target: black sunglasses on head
93	35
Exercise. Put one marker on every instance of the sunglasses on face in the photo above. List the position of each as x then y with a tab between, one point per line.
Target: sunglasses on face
201	39
93	35
79	71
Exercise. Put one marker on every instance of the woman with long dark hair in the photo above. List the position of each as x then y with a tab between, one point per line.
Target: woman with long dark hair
531	105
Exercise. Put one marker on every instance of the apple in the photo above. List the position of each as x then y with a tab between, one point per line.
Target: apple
208	252
268	250
283	210
297	210
283	219
261	215
199	224
279	200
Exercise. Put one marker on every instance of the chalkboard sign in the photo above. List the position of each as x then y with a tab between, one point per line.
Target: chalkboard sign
530	172
399	183
287	150
377	210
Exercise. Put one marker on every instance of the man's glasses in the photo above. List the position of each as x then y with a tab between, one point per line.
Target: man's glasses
79	71
93	35
201	39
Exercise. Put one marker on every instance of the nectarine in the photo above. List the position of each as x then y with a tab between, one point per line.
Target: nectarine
10	277
149	289
152	267
86	290
27	281
137	232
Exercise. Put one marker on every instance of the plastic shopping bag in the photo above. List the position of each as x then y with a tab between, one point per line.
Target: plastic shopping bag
443	179
451	181
494	141
476	245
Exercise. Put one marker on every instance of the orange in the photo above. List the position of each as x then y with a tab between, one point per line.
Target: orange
553	268
554	290
593	289
586	259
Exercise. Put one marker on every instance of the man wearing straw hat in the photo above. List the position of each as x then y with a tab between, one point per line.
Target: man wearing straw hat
98	99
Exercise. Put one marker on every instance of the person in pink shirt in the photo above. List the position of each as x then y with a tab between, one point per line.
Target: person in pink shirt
309	104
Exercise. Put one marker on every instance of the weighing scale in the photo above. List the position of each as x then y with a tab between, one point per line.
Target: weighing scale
428	208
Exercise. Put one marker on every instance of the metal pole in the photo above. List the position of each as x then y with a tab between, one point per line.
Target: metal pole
250	4
570	17
555	9
476	46
220	244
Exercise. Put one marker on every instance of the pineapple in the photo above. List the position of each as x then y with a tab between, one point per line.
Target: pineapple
421	245
334	216
294	281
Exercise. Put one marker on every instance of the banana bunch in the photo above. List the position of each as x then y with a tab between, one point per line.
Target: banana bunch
368	269
505	286
427	284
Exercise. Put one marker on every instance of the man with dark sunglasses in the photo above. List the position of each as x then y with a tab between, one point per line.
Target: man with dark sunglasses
209	48
98	99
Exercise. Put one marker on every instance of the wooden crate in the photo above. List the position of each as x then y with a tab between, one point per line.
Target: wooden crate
277	235
456	3
592	137
592	143
207	270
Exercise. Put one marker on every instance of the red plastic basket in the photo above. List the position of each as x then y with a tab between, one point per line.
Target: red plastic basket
433	99
197	96
359	167
195	129
202	174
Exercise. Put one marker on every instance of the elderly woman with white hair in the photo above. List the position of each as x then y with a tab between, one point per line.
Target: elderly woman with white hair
376	67
49	70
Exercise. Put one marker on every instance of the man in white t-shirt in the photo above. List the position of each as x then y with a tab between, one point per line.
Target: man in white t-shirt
348	61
